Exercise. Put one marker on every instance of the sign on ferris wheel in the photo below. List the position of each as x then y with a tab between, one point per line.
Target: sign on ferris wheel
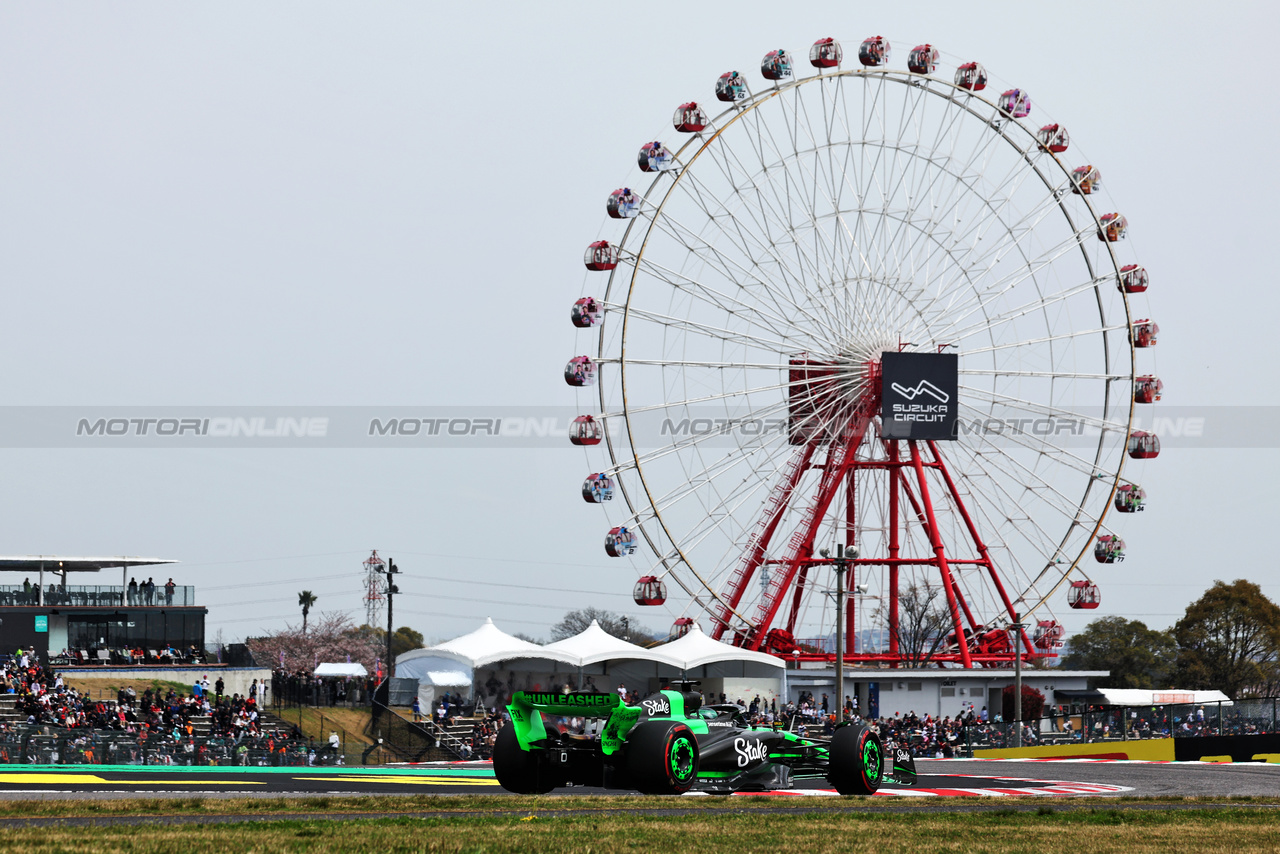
919	396
866	256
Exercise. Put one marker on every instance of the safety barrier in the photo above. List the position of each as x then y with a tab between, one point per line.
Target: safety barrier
37	745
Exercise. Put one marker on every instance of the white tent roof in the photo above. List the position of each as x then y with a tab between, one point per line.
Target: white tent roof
594	644
486	645
448	679
489	644
1148	697
353	668
696	649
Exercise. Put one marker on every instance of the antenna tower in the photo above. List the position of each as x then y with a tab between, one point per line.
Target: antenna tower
373	595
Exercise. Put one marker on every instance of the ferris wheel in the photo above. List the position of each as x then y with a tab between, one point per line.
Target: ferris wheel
870	308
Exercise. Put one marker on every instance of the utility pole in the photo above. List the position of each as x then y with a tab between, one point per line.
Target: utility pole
390	570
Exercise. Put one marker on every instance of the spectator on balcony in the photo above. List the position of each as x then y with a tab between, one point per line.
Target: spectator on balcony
169	587
133	591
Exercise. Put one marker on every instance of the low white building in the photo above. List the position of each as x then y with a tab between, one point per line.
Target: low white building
937	692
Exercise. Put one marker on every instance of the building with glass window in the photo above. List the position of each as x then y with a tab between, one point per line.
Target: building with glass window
101	623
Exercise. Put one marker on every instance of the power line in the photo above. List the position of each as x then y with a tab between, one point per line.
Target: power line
266	559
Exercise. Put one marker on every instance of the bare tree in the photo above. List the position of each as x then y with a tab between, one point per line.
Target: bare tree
923	623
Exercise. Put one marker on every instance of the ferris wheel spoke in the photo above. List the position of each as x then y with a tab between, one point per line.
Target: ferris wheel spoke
715	298
928	232
780	202
760	237
710	398
914	185
975	300
1041	445
689	443
1032	482
966	174
1005	372
763	415
698	363
1016	518
801	310
977	267
1046	410
974	233
1046	339
772	202
897	184
826	187
713	521
697	191
703	330
1004	316
694	487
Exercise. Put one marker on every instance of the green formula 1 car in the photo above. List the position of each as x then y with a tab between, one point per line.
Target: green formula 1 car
670	743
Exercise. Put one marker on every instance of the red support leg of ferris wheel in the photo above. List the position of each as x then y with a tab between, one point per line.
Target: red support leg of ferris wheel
935	539
842	457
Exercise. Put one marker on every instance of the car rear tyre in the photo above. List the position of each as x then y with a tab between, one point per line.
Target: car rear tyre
516	769
662	758
856	761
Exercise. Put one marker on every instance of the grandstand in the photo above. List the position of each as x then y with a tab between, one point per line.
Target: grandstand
42	608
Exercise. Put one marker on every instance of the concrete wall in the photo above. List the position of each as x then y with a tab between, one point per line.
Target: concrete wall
236	680
739	688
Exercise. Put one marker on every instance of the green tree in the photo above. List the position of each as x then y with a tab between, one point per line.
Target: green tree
1229	639
620	626
403	640
305	600
1138	657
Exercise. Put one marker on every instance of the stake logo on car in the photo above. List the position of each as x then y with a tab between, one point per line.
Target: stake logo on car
749	750
657	706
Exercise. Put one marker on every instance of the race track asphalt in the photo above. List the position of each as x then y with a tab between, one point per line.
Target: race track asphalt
938	778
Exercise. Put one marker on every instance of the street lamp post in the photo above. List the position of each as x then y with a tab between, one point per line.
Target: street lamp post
843	554
1017	628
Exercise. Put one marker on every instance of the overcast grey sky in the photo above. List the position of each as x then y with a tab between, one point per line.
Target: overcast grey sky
362	204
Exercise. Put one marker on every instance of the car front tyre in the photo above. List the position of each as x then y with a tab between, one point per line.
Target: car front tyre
856	761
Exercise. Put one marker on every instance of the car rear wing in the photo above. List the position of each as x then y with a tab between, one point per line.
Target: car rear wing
528	707
583	704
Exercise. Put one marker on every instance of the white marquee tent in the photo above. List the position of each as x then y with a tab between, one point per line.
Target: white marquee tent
496	664
352	669
593	645
696	650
